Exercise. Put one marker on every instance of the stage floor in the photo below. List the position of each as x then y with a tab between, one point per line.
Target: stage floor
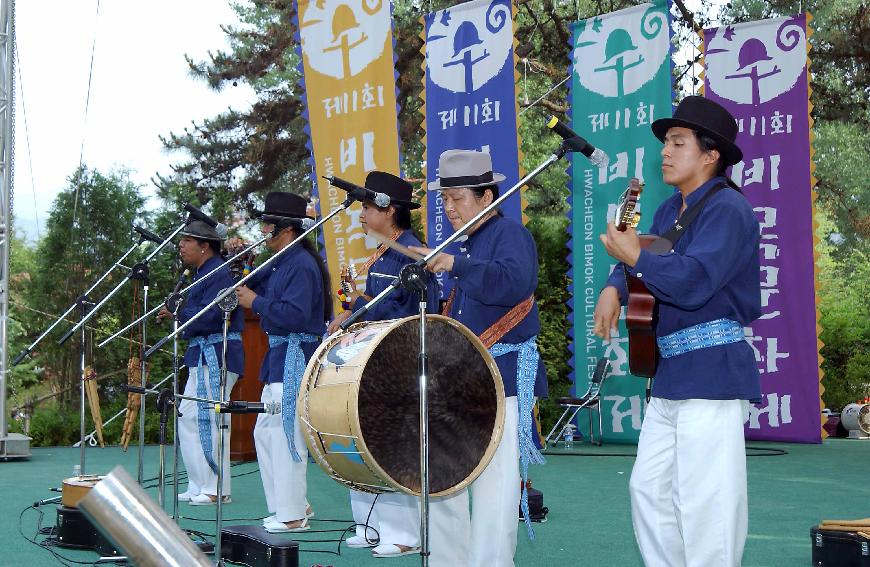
586	493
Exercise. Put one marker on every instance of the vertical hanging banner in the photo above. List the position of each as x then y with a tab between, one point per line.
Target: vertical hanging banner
470	95
759	71
348	72
621	82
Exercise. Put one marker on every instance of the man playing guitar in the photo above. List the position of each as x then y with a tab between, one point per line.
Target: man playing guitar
688	485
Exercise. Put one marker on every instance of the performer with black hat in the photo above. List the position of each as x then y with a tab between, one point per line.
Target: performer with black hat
688	485
395	516
200	249
293	302
494	279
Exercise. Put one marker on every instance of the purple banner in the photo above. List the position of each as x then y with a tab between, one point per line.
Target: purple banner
758	71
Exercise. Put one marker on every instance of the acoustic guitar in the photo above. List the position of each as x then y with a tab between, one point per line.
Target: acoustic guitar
642	312
77	487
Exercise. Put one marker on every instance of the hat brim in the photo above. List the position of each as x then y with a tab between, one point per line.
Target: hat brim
407	204
259	214
201	237
496	179
732	152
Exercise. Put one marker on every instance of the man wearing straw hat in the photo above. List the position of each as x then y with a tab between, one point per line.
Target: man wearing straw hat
688	485
200	249
292	298
494	279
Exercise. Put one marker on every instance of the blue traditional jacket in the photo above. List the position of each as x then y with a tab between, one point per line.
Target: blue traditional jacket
399	303
713	273
289	300
497	269
211	322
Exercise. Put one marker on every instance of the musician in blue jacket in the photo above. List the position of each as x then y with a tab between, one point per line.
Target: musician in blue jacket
391	522
494	279
688	486
200	251
292	297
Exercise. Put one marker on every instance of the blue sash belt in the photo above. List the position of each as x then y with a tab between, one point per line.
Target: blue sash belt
527	369
702	335
294	368
212	391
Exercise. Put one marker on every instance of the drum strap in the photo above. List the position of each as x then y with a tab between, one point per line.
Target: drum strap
377	254
527	369
504	324
203	413
294	368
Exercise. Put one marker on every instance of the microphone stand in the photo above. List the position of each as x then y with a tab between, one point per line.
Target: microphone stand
86	306
413	278
183	291
220	297
227	305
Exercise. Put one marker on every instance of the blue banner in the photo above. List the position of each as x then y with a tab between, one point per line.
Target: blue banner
470	99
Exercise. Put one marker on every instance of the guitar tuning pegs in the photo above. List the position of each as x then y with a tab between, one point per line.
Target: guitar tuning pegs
635	220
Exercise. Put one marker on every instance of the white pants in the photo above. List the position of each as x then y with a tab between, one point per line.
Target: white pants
284	480
486	537
395	516
688	485
200	478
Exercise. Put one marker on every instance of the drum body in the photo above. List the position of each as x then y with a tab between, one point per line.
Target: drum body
360	410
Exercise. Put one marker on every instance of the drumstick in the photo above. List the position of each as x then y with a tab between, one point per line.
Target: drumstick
860	523
400	248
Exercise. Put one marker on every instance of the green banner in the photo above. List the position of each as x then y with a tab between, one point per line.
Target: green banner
621	82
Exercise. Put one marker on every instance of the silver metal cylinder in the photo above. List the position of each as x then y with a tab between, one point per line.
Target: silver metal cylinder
133	522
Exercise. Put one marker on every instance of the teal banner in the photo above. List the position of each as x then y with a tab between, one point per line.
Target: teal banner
621	82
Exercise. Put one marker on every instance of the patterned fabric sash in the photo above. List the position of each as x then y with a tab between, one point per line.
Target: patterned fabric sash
702	335
504	324
210	391
294	368
527	369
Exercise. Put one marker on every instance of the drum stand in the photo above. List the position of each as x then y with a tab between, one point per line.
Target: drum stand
228	304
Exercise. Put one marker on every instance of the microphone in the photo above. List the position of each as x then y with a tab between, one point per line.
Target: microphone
146	234
234	406
220	228
302	224
574	143
359	193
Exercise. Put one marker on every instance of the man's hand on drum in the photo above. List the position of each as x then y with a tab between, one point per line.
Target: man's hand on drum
339	319
440	263
246	296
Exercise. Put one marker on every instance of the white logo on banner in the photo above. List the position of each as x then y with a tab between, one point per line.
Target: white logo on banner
617	55
341	39
467	47
751	63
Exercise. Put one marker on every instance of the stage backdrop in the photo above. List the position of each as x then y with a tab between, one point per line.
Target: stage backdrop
621	82
759	71
350	101
470	99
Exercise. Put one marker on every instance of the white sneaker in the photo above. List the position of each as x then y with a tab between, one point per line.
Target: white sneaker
205	500
186	496
270	519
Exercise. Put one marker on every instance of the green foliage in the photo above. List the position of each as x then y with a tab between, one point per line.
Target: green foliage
844	286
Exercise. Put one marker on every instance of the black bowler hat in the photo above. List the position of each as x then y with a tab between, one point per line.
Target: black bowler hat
201	231
397	189
707	117
287	205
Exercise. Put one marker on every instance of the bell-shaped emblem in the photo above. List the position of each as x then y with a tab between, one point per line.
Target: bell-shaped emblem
618	43
752	51
465	37
343	20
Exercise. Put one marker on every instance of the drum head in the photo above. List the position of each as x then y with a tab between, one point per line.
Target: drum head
466	405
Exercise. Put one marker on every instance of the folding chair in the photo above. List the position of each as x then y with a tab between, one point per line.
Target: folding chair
591	401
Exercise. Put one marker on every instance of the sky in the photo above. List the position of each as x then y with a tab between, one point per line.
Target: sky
140	88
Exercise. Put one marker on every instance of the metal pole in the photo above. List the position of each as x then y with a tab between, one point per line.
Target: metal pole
174	420
424	437
143	379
